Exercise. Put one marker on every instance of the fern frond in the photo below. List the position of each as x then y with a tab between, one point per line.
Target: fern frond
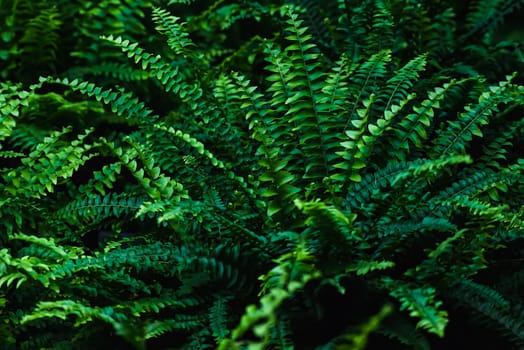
397	87
51	161
281	334
478	207
468	187
328	219
397	229
397	174
315	14
381	35
153	181
399	328
421	28
94	208
185	2
365	80
353	157
103	179
27	138
293	271
95	19
173	77
12	99
304	82
421	303
178	322
365	267
454	138
215	162
493	308
11	154
494	153
48	244
19	270
177	38
119	71
165	73
281	182
487	15
122	103
412	129
218	319
40	40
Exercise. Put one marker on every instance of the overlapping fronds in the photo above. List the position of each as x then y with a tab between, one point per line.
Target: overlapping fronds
360	158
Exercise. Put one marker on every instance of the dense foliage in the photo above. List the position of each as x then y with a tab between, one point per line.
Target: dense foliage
261	175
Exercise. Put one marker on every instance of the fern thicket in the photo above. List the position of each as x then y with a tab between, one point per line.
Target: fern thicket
192	180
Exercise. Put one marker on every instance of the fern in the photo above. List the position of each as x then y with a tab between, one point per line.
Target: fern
124	104
119	71
242	171
44	26
99	207
12	99
454	138
45	167
178	38
489	14
493	308
218	319
413	128
421	304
